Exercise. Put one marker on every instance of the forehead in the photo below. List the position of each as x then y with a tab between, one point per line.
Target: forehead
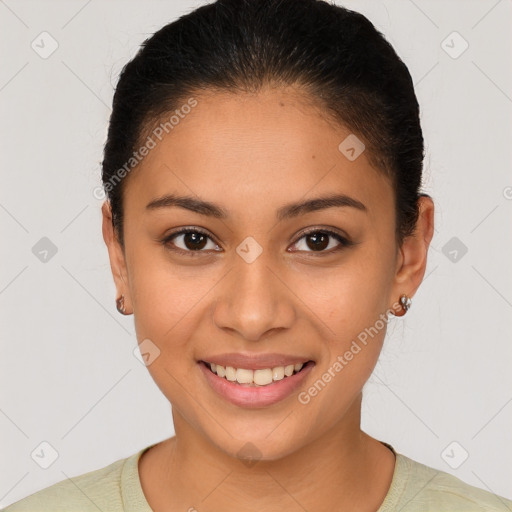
255	150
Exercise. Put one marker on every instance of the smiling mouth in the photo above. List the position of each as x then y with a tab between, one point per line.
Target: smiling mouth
260	377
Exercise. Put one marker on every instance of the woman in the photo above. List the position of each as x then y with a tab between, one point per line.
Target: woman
264	219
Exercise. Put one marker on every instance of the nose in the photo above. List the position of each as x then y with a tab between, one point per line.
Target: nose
253	300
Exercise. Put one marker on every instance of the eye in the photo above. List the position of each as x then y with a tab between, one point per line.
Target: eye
318	241
189	241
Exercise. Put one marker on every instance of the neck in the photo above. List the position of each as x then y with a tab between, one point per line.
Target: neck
344	469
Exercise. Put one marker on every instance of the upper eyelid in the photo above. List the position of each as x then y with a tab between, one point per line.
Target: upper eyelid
330	230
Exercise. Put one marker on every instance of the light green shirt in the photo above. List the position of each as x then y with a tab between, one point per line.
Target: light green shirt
116	488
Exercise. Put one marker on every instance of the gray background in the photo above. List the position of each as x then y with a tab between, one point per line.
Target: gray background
442	388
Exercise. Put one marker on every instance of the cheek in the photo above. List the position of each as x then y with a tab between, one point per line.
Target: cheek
354	309
166	306
352	302
166	303
351	296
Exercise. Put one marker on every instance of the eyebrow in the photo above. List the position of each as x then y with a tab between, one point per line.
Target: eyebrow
285	212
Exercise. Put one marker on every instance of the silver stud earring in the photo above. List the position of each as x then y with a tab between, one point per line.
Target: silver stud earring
405	302
120	305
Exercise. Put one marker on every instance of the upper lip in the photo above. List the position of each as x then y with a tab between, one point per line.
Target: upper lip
254	361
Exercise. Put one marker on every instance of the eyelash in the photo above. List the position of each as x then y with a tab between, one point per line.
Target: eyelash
344	242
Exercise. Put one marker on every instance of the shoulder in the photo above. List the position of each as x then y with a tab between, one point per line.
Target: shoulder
417	487
96	490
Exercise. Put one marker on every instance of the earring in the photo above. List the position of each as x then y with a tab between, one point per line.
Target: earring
120	305
405	302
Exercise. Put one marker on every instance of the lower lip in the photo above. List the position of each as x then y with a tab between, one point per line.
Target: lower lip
255	396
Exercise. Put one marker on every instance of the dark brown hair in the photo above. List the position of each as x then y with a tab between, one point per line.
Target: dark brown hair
335	55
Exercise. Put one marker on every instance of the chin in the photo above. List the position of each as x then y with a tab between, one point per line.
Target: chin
250	445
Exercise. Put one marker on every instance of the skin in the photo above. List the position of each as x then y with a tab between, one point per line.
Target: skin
252	154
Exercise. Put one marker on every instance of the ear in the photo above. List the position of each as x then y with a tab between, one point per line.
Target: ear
116	256
412	257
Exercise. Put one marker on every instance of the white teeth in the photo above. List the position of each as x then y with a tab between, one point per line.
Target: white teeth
244	376
261	377
288	370
230	373
277	373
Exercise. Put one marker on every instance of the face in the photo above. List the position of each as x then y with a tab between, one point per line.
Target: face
256	283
